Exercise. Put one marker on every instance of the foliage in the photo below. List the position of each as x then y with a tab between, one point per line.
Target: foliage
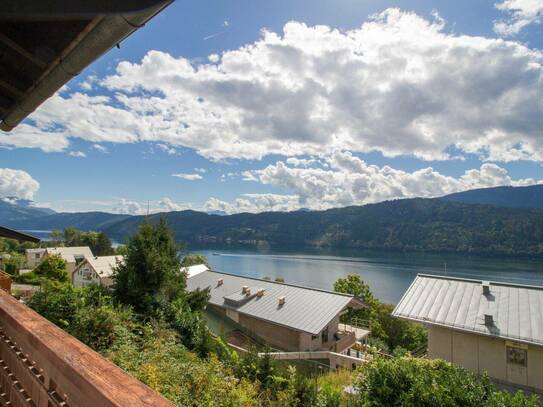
12	245
52	268
161	362
387	332
410	382
98	242
194	259
13	262
29	278
149	276
87	313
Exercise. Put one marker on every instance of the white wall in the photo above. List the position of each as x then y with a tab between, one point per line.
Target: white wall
481	354
85	275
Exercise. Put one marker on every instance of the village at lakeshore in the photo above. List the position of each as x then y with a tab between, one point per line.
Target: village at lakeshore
274	300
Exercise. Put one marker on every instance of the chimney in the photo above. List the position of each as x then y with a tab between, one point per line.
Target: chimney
244	289
489	320
220	281
260	292
248	292
282	300
486	288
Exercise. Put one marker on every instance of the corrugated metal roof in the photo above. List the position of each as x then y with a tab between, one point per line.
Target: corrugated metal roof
191	271
70	253
305	309
517	310
104	265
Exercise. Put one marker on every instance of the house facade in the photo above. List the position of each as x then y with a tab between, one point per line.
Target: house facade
96	270
71	255
482	326
34	257
285	316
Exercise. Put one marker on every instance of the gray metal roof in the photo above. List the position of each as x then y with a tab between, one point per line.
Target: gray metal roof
305	309
517	310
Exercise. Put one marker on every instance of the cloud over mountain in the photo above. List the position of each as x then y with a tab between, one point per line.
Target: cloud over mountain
17	183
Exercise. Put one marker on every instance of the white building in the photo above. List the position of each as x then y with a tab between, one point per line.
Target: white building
96	270
191	271
71	255
34	257
483	326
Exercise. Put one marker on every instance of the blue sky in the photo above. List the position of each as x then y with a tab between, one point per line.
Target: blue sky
253	106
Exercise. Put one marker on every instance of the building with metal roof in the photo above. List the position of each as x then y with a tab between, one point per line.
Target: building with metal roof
484	326
191	271
286	316
96	270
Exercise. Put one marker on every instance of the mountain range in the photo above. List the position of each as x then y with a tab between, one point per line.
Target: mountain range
487	221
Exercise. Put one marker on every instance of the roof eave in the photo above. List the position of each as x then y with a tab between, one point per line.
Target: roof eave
105	32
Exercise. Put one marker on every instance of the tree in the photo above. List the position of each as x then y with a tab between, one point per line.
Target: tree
98	242
150	272
52	268
194	259
384	327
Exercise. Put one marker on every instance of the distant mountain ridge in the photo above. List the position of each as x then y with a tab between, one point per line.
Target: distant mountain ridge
431	225
511	197
428	225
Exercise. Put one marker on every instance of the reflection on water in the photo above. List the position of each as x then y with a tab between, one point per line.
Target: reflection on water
388	274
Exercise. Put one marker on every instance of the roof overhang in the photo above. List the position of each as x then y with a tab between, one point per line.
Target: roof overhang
357	303
13	234
44	44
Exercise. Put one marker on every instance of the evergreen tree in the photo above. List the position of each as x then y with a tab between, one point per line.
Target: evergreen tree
150	274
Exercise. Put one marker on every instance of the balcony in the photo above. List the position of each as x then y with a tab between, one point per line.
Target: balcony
43	366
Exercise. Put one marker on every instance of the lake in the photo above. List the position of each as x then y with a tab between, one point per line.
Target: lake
388	274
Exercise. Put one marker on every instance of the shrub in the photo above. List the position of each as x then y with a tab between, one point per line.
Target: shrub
410	382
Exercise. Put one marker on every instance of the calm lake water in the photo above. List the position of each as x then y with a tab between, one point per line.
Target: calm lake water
388	274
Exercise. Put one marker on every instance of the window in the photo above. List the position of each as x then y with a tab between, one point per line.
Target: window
517	356
324	335
37	255
313	337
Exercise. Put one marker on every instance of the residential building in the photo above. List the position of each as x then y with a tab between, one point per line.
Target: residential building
96	270
191	271
34	257
483	326
285	316
71	255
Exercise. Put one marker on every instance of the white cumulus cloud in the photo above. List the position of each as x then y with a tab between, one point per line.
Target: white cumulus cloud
521	13
351	181
17	183
399	84
77	154
188	177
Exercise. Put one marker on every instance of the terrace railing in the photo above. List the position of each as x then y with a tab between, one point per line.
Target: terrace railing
43	366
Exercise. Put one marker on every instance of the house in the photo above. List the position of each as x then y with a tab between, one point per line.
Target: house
191	271
71	255
96	270
285	316
34	257
482	326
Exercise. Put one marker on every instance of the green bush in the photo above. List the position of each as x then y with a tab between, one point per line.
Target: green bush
52	268
411	382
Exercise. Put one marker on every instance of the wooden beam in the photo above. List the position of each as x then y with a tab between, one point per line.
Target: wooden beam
17	48
16	91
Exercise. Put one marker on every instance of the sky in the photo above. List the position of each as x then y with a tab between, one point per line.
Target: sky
250	106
